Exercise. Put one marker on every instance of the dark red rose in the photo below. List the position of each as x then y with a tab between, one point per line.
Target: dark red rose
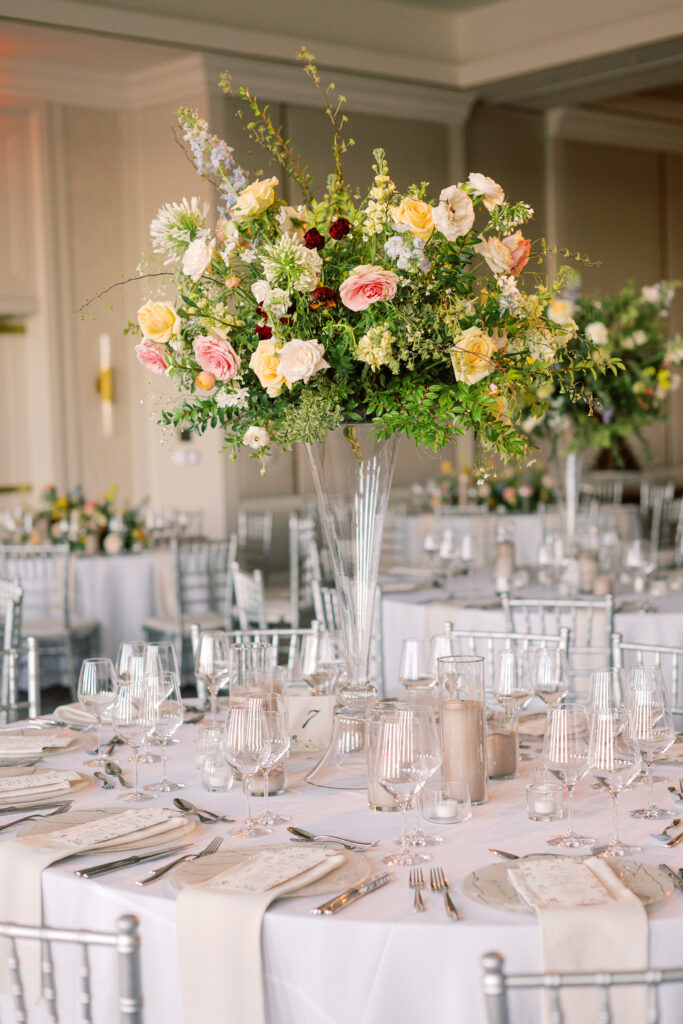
339	228
263	331
313	239
261	312
323	298
288	320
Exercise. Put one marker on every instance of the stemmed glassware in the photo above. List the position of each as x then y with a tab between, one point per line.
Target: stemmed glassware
401	767
279	748
550	672
97	687
565	755
133	718
418	837
246	745
512	686
416	667
608	689
648	701
212	666
169	713
614	760
250	668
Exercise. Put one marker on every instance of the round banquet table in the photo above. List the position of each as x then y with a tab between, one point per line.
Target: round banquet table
376	962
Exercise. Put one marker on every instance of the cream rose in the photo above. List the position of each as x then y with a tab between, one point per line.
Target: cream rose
454	216
256	437
472	355
255	198
293	221
158	321
416	216
597	332
300	359
561	310
487	188
266	365
197	258
497	255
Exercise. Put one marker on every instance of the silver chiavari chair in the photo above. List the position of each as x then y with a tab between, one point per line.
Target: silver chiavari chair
125	941
304	567
11	596
625	654
255	539
249	598
496	984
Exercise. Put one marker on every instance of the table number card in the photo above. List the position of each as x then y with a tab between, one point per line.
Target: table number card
310	721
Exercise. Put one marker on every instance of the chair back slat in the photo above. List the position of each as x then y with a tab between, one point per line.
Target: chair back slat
304	566
255	539
287	643
48	981
626	653
490	642
250	598
201	572
43	574
86	994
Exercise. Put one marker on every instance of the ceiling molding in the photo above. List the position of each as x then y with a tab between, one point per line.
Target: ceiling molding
608	129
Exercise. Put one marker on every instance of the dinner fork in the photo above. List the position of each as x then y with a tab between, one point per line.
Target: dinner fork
206	852
416	881
59	809
439	883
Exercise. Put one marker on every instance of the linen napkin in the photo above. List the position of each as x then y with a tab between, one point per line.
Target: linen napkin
78	715
24	858
36	784
589	921
218	925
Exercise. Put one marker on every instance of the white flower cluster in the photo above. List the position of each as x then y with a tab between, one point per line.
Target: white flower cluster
176	225
660	294
289	263
408	251
375	348
275	301
237	399
510	298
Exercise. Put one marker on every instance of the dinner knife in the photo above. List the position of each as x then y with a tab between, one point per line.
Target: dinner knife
353	894
504	853
116	865
675	878
676	840
32	807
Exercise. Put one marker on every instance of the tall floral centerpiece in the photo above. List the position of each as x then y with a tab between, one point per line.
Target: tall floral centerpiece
346	322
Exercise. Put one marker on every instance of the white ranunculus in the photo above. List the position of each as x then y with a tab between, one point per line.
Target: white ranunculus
300	359
197	258
489	189
497	255
256	437
261	291
597	332
454	214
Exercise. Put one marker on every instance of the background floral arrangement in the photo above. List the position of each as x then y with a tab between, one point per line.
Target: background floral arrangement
73	519
291	321
517	491
631	328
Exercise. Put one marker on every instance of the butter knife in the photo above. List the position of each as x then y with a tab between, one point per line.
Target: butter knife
675	878
353	894
504	853
117	865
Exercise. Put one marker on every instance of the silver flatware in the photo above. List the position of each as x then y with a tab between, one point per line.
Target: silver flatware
60	809
664	835
416	881
212	847
115	770
353	894
102	780
115	741
118	865
45	805
205	816
439	883
26	763
310	837
504	853
673	875
676	840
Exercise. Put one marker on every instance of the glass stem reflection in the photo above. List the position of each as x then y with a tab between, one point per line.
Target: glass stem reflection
404	837
651	786
99	738
213	700
163	762
245	785
266	773
135	768
570	820
615	819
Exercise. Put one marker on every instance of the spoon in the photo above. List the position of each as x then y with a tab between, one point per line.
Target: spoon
112	768
206	817
664	836
309	837
103	780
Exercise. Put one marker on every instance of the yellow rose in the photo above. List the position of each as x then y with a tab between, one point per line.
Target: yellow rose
266	365
255	198
416	215
472	355
158	321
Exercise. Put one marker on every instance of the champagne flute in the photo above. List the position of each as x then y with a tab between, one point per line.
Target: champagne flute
401	767
550	675
211	666
512	687
133	717
607	689
246	745
565	755
614	760
648	700
97	686
169	713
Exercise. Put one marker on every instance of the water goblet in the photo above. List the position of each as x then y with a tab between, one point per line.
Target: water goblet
401	767
550	674
169	713
565	756
97	687
512	686
133	718
648	701
614	760
212	666
418	837
246	745
607	689
279	748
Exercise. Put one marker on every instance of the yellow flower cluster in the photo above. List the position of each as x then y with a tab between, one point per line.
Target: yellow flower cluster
375	349
376	212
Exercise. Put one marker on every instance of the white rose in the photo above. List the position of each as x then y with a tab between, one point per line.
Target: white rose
454	215
561	310
309	272
639	337
489	189
261	291
299	360
293	221
497	255
597	333
278	302
197	258
256	437
651	293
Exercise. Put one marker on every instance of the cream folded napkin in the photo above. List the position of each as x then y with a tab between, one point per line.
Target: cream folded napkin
218	925
24	858
33	741
78	714
36	784
589	921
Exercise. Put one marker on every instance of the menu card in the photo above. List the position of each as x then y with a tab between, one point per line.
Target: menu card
114	826
38	781
33	741
270	869
558	882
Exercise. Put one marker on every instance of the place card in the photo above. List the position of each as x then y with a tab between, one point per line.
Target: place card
34	743
558	882
310	721
113	826
270	869
37	780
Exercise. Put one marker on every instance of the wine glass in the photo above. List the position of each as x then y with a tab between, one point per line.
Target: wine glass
550	673
169	713
133	718
97	686
130	660
565	755
249	664
246	745
614	760
513	687
401	767
416	666
160	656
648	700
607	689
418	837
279	748
314	669
211	665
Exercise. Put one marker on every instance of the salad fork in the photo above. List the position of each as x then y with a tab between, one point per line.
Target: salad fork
59	809
416	881
439	883
206	852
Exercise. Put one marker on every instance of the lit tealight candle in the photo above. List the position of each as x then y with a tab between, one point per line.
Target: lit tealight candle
446	809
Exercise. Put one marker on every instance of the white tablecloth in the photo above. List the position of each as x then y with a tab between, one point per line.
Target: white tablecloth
376	962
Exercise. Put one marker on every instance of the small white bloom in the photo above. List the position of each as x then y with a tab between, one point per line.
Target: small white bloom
261	291
197	258
597	332
489	189
256	437
639	337
176	224
237	399
561	310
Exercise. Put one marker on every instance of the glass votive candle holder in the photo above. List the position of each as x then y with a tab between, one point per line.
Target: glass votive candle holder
544	801
502	742
207	744
447	803
217	775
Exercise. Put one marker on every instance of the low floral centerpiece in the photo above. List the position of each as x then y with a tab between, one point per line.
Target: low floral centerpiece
86	524
516	490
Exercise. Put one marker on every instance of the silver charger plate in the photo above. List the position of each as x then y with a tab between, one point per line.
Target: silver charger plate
354	870
491	886
27	799
189	833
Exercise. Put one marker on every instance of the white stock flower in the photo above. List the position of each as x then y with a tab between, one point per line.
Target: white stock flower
197	258
454	214
256	437
497	255
489	189
597	332
300	359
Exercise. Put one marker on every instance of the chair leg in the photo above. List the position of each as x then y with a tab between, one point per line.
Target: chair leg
70	675
33	672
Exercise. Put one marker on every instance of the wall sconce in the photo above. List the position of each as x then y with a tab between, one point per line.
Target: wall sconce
105	386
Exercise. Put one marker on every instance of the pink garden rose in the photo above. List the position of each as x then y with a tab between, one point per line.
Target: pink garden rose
367	284
519	247
216	355
152	355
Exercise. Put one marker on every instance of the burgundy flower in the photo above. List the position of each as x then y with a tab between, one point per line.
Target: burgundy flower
323	298
261	312
313	239
339	228
287	320
263	331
